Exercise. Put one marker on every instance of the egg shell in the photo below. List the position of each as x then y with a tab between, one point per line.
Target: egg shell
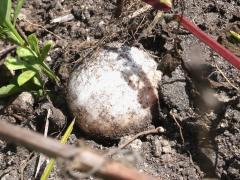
114	93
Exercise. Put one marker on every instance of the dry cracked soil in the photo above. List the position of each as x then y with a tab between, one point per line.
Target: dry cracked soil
199	92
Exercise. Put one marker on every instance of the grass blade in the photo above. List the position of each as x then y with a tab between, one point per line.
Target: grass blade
13	30
17	10
48	169
235	35
5	11
64	139
67	133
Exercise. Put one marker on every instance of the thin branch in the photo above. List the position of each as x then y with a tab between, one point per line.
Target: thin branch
236	88
179	126
42	158
4	52
42	27
20	31
140	11
144	133
81	159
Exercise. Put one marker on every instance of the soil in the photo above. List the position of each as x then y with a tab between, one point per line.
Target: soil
199	108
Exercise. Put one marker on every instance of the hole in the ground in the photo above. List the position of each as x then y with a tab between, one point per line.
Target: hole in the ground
154	44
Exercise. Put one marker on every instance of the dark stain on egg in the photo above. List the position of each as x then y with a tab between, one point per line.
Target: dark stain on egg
113	94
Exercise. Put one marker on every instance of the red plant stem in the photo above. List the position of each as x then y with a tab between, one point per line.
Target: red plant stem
218	48
156	4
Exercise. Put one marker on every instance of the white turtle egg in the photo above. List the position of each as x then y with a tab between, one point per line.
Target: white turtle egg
114	93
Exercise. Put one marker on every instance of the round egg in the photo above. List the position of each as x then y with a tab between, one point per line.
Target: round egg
114	93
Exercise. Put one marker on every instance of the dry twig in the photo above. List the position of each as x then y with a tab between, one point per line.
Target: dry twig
80	159
156	20
42	158
41	27
20	31
222	73
140	11
62	19
179	126
4	52
144	133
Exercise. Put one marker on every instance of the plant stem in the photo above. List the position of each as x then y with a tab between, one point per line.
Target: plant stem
218	48
49	72
14	31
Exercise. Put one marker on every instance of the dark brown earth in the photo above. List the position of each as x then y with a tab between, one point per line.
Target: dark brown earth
193	92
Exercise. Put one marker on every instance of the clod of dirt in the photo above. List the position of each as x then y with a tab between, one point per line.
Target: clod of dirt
174	92
114	94
161	146
23	102
54	114
227	139
21	107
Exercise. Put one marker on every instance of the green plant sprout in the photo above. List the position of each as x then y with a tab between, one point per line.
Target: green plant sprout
29	62
51	163
235	35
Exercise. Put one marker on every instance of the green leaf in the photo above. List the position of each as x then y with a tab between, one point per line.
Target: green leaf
37	81
33	42
25	54
17	10
5	11
25	77
45	50
64	139
8	90
14	64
